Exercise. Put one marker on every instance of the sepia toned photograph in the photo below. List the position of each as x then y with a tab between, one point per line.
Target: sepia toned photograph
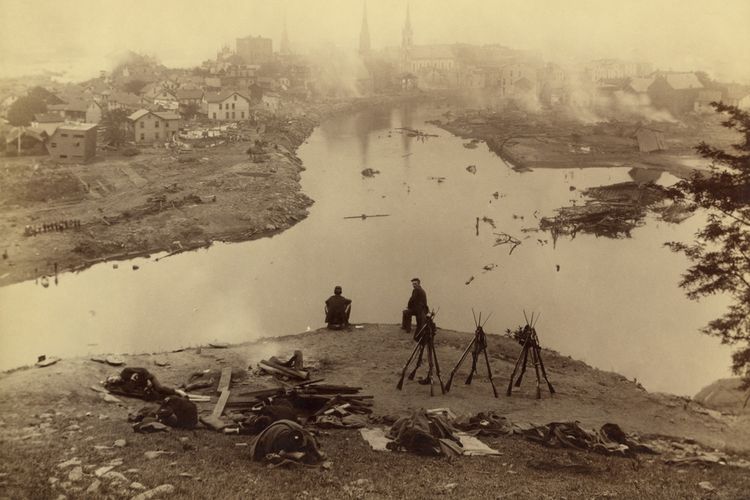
377	249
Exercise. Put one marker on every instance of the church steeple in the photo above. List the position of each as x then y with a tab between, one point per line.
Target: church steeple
364	34
407	37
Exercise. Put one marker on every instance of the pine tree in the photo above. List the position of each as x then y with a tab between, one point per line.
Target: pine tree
720	255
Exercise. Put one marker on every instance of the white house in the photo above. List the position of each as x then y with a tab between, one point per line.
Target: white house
228	105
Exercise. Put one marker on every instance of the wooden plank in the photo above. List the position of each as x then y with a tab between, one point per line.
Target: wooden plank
220	404
282	370
225	380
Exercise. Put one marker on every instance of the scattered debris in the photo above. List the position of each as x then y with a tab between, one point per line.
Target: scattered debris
614	211
469	280
369	172
365	216
162	490
472	169
439	180
114	360
150	455
43	361
506	239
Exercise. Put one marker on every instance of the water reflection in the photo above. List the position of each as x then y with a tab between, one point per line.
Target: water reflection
614	304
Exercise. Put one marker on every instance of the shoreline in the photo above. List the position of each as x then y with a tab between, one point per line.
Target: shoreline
190	224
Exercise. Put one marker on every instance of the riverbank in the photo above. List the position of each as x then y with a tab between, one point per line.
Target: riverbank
159	201
51	416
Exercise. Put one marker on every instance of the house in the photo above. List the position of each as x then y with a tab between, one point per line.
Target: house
514	78
675	92
166	99
649	139
188	97
736	95
271	101
47	122
124	100
154	126
73	110
73	143
227	106
640	85
25	141
704	99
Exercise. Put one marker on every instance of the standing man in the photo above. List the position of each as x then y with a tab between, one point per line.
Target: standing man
417	307
338	308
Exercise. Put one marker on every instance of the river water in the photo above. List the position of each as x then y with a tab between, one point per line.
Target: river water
612	303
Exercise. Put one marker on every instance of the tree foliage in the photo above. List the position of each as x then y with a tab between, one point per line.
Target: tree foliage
22	112
720	255
115	124
134	86
190	110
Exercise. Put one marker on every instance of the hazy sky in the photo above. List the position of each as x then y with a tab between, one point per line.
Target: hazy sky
673	34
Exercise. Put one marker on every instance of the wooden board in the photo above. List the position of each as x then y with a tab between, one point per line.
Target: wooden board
225	380
220	404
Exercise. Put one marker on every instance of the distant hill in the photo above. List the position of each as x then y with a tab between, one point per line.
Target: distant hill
724	395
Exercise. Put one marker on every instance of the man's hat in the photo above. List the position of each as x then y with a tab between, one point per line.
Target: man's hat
337	289
417	280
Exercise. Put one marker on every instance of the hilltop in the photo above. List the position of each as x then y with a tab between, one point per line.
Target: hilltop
51	415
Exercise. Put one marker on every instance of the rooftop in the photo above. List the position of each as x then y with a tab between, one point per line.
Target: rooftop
77	126
223	95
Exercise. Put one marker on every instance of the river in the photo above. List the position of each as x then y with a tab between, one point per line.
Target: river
612	303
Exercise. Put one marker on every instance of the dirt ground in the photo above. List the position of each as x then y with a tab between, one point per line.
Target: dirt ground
56	432
155	201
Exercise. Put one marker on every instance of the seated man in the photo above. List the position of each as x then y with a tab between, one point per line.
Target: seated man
338	308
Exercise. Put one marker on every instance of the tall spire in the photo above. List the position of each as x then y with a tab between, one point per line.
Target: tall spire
284	49
407	37
364	34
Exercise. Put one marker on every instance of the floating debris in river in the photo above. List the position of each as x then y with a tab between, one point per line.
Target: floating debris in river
469	280
368	172
365	216
506	239
489	267
472	169
438	179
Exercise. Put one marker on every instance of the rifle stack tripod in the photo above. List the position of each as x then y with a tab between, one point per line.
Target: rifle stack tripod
479	346
528	338
425	338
